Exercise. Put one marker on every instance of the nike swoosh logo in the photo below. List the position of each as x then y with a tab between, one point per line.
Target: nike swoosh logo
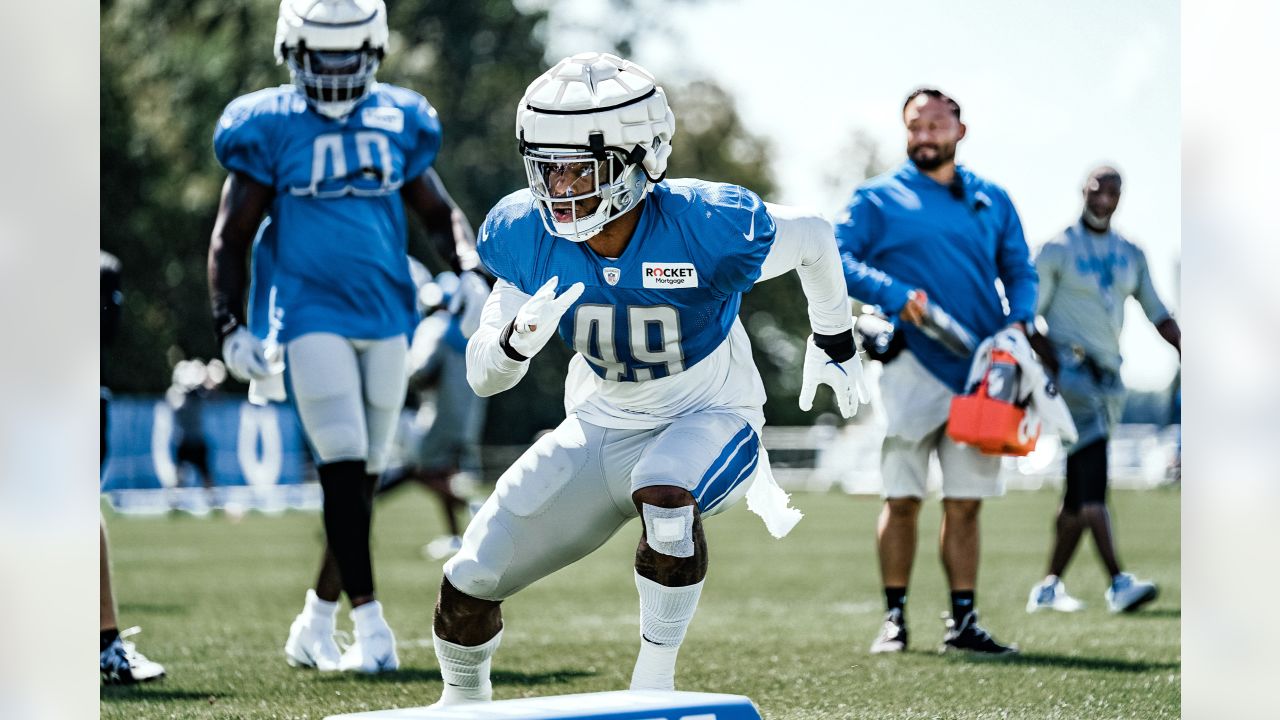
750	234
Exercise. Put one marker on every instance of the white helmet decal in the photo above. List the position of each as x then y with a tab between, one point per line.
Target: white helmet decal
333	48
606	119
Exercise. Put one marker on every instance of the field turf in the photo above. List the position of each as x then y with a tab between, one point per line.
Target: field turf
785	622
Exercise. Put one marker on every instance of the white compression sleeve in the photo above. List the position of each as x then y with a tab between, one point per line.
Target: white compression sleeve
465	670
665	614
489	369
806	243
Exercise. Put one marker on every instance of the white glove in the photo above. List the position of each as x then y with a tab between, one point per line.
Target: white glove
244	355
539	317
468	302
844	378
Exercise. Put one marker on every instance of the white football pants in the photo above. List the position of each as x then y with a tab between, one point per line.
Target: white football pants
349	394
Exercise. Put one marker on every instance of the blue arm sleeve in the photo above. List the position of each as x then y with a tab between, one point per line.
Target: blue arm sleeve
426	140
1013	262
242	140
856	229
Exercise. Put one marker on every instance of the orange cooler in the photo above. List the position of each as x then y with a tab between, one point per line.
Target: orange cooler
990	418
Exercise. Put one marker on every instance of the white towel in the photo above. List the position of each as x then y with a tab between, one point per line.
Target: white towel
1046	406
770	502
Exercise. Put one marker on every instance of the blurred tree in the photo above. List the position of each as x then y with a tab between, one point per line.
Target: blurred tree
859	158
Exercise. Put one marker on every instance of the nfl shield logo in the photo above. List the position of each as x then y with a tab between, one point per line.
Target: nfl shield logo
611	275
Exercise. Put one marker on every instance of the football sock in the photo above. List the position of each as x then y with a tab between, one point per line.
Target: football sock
961	603
665	613
465	670
347	511
320	612
895	598
106	637
368	618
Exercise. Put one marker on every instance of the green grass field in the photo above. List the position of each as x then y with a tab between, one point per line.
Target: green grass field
785	622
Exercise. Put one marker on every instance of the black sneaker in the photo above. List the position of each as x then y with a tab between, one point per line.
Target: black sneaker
968	636
893	636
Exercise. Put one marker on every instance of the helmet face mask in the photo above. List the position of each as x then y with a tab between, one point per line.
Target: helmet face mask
334	81
580	190
332	48
595	134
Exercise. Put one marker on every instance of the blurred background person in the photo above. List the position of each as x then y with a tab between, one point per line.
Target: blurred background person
440	446
1086	274
333	160
194	384
930	232
119	662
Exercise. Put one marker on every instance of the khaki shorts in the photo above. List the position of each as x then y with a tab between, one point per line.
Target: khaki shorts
916	405
966	473
571	491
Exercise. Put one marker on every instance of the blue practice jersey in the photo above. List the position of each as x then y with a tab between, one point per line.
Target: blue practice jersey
668	301
338	230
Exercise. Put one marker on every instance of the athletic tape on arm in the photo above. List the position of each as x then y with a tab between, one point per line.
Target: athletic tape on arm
669	530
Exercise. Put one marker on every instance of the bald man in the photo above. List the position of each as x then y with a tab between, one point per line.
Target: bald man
1086	274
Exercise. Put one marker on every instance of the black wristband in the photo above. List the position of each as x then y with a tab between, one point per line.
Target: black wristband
504	342
839	347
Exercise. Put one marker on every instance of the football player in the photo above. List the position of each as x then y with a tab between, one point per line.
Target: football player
119	662
332	159
643	278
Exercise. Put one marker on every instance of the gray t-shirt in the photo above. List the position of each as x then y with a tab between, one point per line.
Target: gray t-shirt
1085	278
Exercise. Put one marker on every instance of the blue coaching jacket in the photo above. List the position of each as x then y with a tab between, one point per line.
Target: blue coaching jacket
904	230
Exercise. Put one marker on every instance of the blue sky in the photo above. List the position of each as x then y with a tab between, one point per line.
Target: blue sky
1048	89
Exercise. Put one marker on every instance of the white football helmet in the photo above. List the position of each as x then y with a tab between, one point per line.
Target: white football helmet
594	125
333	48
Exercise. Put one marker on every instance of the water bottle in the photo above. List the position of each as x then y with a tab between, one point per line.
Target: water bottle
1002	377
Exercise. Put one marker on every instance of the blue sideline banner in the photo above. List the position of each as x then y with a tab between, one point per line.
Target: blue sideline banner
256	457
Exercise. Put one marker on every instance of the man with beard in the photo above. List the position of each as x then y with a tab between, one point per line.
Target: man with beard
1086	273
931	232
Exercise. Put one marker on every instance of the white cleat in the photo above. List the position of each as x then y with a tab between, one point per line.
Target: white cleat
1127	593
1052	595
445	546
311	644
374	650
122	664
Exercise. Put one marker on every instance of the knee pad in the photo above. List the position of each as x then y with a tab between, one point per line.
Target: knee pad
471	577
669	531
338	441
479	568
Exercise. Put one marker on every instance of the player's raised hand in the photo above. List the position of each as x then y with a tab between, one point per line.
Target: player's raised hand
244	355
844	378
538	318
